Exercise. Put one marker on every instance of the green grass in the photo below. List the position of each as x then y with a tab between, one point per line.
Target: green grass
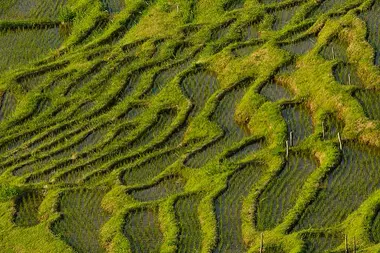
181	110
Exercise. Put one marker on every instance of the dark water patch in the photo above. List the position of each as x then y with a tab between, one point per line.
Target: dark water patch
283	191
228	207
27	208
245	150
335	50
346	73
370	101
250	31
190	231
198	87
233	4
300	47
23	46
274	92
326	6
82	217
142	229
133	112
149	169
283	17
32	9
163	189
298	121
221	31
224	115
332	126
372	19
321	242
7	105
113	6
345	188
165	76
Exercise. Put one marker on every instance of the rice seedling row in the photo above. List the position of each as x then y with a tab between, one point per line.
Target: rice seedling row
81	219
190	233
274	92
228	208
321	241
298	121
371	17
142	229
283	191
345	188
370	101
224	115
163	189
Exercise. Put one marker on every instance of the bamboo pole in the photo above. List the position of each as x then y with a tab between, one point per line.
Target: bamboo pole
262	243
291	139
287	149
346	243
349	79
340	142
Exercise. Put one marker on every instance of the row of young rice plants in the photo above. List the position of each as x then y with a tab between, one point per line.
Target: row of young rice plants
142	229
298	121
114	6
22	46
300	46
224	115
370	101
149	169
198	87
70	150
164	188
275	92
228	207
345	188
190	233
164	120
31	9
282	193
321	241
230	5
331	127
372	19
325	6
167	75
7	105
346	73
283	17
81	219
26	206
335	50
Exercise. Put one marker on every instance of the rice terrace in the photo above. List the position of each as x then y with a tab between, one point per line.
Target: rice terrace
189	126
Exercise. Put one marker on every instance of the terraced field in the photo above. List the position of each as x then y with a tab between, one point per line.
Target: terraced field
189	126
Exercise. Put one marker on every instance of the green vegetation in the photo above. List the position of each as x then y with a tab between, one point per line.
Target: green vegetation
189	126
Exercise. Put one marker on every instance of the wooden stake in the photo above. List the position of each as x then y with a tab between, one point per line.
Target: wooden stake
287	149
333	54
346	243
291	139
349	79
262	243
340	142
354	245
